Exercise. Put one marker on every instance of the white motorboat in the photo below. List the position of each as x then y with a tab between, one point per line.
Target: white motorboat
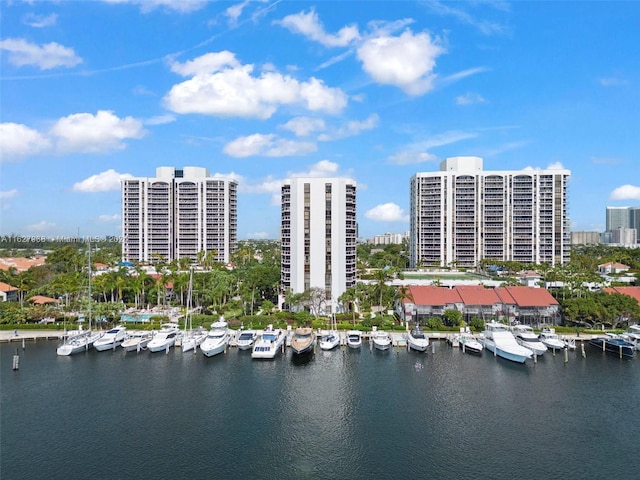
551	339
354	339
469	343
246	339
80	342
632	336
330	340
137	340
417	340
381	340
526	337
303	340
501	342
165	338
217	339
269	343
111	339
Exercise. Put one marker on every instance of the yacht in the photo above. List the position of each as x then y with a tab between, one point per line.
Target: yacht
501	342
613	344
417	340
469	343
526	337
330	340
111	339
268	343
303	341
165	338
354	339
551	339
137	340
632	335
81	341
381	340
217	339
192	339
246	339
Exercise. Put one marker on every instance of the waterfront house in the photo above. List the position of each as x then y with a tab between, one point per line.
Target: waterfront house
8	293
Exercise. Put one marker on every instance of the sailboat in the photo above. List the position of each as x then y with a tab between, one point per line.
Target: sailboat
82	340
191	339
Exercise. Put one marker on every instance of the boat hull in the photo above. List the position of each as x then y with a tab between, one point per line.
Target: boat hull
507	355
135	345
418	344
154	347
624	349
211	349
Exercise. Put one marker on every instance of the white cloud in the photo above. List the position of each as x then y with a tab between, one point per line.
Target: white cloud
45	57
410	157
40	226
555	166
309	25
182	6
406	61
267	145
87	133
387	212
626	192
104	218
469	98
8	194
221	86
612	82
323	168
303	126
17	141
160	120
352	128
417	152
40	21
102	182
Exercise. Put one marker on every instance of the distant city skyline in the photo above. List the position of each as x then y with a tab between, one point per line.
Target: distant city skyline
94	92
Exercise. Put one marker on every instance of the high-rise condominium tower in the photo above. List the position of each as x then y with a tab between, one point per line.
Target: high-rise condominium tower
179	213
319	231
462	214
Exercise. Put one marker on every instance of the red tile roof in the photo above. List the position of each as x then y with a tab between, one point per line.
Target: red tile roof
432	295
5	287
41	300
526	296
631	291
21	264
477	295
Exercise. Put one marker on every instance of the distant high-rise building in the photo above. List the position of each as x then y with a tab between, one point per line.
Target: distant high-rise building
318	233
179	213
585	238
463	214
389	239
618	217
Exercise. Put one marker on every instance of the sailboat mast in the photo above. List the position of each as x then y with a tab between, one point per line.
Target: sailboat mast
89	309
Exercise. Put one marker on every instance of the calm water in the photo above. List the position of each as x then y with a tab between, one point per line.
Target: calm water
341	414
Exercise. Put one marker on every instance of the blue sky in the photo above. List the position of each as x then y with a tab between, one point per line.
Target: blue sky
260	91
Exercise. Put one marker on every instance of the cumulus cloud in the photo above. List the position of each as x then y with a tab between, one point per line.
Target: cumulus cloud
626	192
267	145
304	126
309	25
87	133
182	6
39	21
469	99
45	57
8	194
323	168
352	128
40	226
221	86
387	212
17	141
406	61
102	182
555	166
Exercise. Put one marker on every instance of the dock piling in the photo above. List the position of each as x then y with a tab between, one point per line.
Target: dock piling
566	355
16	360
